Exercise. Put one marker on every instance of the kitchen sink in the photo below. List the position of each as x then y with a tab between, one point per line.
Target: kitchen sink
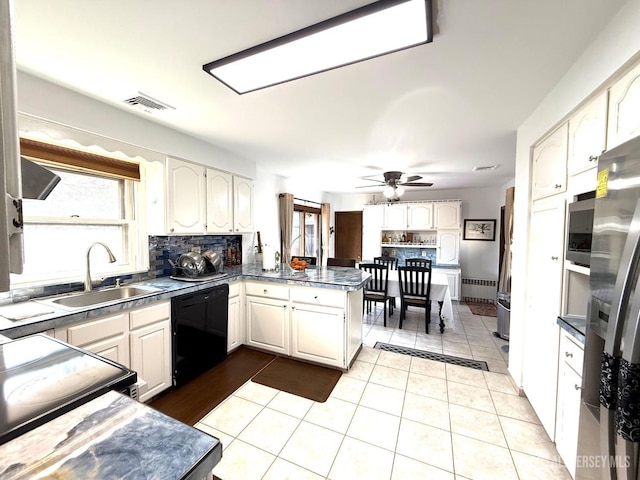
97	297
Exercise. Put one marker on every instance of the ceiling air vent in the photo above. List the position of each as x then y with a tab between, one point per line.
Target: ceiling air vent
147	103
488	167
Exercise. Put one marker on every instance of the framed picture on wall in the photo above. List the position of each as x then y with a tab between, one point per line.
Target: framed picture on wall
479	230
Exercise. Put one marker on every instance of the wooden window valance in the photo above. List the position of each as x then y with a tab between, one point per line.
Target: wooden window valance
56	155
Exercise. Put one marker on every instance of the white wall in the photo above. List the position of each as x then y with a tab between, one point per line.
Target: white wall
615	46
478	259
49	101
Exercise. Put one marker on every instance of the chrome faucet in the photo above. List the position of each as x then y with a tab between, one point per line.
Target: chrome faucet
87	278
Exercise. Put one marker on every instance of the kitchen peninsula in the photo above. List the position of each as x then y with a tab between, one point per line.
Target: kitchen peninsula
316	306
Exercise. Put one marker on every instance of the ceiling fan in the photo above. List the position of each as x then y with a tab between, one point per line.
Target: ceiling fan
395	184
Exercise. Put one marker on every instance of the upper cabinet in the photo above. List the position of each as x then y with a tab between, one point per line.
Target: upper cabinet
624	109
587	135
242	205
420	216
186	189
201	200
395	216
550	164
447	214
219	202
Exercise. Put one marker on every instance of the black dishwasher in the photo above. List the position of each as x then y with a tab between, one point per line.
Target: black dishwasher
199	327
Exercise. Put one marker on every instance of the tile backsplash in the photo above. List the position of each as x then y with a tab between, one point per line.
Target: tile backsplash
165	248
403	253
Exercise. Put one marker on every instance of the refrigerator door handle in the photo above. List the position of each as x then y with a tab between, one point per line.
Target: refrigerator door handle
611	355
628	265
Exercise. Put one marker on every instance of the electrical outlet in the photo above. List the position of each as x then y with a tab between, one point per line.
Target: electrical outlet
393	252
196	249
423	253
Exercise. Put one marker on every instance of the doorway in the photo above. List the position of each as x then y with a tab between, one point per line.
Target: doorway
348	235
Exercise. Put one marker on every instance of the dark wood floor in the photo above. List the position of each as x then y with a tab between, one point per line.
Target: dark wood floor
193	400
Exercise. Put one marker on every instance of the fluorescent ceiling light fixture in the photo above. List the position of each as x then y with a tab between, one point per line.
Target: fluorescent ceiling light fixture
376	29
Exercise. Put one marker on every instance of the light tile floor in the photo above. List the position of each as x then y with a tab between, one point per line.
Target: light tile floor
393	416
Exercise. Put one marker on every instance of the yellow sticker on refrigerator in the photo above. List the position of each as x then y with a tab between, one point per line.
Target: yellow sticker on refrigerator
603	180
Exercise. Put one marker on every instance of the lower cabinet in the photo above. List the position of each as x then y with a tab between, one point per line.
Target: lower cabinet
139	339
568	401
268	324
316	324
454	279
106	336
317	333
235	327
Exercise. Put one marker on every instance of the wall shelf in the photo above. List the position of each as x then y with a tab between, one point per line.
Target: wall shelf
409	245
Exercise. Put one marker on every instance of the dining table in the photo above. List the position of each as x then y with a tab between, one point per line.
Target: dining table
439	293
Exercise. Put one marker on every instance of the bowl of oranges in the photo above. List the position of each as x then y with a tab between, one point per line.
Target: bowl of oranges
298	265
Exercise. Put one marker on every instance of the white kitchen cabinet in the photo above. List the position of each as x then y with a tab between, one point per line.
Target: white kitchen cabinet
454	278
235	331
317	333
420	216
395	216
544	289
447	214
139	339
150	346
219	201
448	247
186	191
267	316
151	356
199	200
587	135
568	403
550	164
320	325
107	336
624	109
242	205
373	217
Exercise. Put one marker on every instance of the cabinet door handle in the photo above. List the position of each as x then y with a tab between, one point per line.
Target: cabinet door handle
577	387
292	308
558	185
316	297
568	354
264	291
593	158
284	306
554	258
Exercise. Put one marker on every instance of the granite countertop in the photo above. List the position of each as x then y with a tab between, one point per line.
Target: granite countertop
111	437
340	278
575	326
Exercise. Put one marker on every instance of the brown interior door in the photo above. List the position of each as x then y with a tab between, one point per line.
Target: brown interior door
348	235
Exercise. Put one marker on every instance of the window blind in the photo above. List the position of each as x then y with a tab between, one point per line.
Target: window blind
56	155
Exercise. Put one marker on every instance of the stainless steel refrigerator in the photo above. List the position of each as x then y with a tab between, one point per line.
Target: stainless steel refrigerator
609	430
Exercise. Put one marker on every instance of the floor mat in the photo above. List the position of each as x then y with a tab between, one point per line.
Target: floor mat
484	309
438	357
298	378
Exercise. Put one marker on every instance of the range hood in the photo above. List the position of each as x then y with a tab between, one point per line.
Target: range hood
37	181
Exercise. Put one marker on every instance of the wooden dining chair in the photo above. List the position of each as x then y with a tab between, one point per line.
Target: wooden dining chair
376	288
392	262
341	262
415	291
309	260
418	262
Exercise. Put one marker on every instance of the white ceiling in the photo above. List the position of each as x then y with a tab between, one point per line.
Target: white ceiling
438	109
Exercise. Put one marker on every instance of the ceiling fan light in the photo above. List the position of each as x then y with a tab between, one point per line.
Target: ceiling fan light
389	192
399	191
